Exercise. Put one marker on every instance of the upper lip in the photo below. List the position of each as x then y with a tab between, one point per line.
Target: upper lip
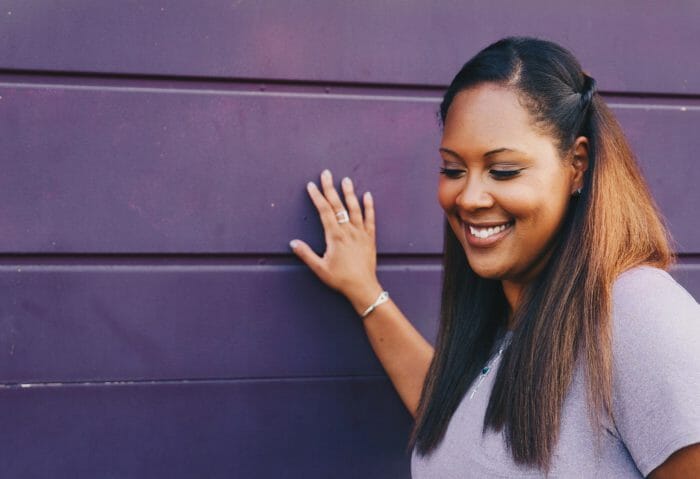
487	224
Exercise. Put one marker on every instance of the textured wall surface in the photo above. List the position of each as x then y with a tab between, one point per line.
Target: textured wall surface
154	155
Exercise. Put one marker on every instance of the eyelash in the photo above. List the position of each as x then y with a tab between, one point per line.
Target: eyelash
497	174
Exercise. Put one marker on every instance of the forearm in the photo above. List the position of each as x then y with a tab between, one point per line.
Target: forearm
402	350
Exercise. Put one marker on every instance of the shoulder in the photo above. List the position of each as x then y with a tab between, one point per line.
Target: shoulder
655	324
649	284
653	319
653	315
656	365
648	296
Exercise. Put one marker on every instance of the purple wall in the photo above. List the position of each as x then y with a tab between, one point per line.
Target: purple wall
154	156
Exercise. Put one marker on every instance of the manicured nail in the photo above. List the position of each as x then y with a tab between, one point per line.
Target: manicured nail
347	182
368	195
294	243
325	173
310	185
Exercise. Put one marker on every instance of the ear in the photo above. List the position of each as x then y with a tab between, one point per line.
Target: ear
579	163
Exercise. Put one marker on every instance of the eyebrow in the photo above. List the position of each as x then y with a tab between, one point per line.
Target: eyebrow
487	154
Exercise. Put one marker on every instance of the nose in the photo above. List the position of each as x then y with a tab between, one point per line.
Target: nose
475	195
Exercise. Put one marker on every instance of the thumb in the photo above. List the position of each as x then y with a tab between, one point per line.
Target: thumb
307	255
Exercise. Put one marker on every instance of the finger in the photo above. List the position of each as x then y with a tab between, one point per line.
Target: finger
330	192
307	255
369	213
325	211
351	201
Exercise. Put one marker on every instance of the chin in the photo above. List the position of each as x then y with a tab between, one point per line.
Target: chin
487	271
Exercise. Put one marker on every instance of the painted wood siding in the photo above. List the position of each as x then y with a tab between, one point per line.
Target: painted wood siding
154	155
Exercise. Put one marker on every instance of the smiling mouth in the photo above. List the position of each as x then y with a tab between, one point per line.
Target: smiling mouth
487	232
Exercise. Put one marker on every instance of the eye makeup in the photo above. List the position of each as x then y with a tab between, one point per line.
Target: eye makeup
451	173
454	173
505	174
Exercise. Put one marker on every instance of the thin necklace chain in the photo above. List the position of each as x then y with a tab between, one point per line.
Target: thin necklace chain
486	369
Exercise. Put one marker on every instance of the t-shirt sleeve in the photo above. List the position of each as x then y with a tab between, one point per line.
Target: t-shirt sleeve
656	366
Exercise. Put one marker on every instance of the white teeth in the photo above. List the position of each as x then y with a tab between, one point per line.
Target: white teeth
486	232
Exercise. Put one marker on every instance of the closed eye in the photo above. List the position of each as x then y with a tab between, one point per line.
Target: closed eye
451	172
504	174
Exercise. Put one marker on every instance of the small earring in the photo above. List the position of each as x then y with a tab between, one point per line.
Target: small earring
577	192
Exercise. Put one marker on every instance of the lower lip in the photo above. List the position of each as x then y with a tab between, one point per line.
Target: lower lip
485	242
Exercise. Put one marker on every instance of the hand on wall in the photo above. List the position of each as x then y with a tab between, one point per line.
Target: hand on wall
349	263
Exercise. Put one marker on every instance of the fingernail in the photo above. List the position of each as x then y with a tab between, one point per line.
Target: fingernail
368	195
346	181
326	173
310	185
294	243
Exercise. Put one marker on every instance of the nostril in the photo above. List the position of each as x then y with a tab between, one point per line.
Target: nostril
470	199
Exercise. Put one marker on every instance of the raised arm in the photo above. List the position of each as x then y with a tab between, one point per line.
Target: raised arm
349	266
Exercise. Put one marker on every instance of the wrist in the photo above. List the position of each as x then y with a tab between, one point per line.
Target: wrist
362	299
381	299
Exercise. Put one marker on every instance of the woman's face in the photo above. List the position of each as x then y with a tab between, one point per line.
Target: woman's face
504	187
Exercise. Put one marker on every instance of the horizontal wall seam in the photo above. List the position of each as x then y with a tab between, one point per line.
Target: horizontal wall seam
648	106
209	268
438	89
187	79
262	91
169	268
206	91
174	382
155	259
69	261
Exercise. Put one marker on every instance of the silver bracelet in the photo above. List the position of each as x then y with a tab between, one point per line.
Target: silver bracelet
383	298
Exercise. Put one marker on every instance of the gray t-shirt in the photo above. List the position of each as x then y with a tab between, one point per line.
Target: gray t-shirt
656	397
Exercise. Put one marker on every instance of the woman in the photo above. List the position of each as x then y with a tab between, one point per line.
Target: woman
564	348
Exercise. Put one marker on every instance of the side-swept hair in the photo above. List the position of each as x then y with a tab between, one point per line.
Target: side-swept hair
565	313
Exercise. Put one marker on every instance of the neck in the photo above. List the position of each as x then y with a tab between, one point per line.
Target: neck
512	290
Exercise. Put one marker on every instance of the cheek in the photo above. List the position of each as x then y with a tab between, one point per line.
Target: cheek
539	211
447	191
522	202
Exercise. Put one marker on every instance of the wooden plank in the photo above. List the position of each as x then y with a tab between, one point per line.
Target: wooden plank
185	171
106	322
142	322
140	169
640	49
341	428
661	140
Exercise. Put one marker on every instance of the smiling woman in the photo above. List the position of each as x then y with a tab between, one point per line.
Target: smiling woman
504	203
564	348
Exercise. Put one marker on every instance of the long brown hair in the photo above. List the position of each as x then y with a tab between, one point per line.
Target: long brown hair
565	313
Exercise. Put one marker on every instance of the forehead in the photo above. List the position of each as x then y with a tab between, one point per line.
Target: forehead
488	117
